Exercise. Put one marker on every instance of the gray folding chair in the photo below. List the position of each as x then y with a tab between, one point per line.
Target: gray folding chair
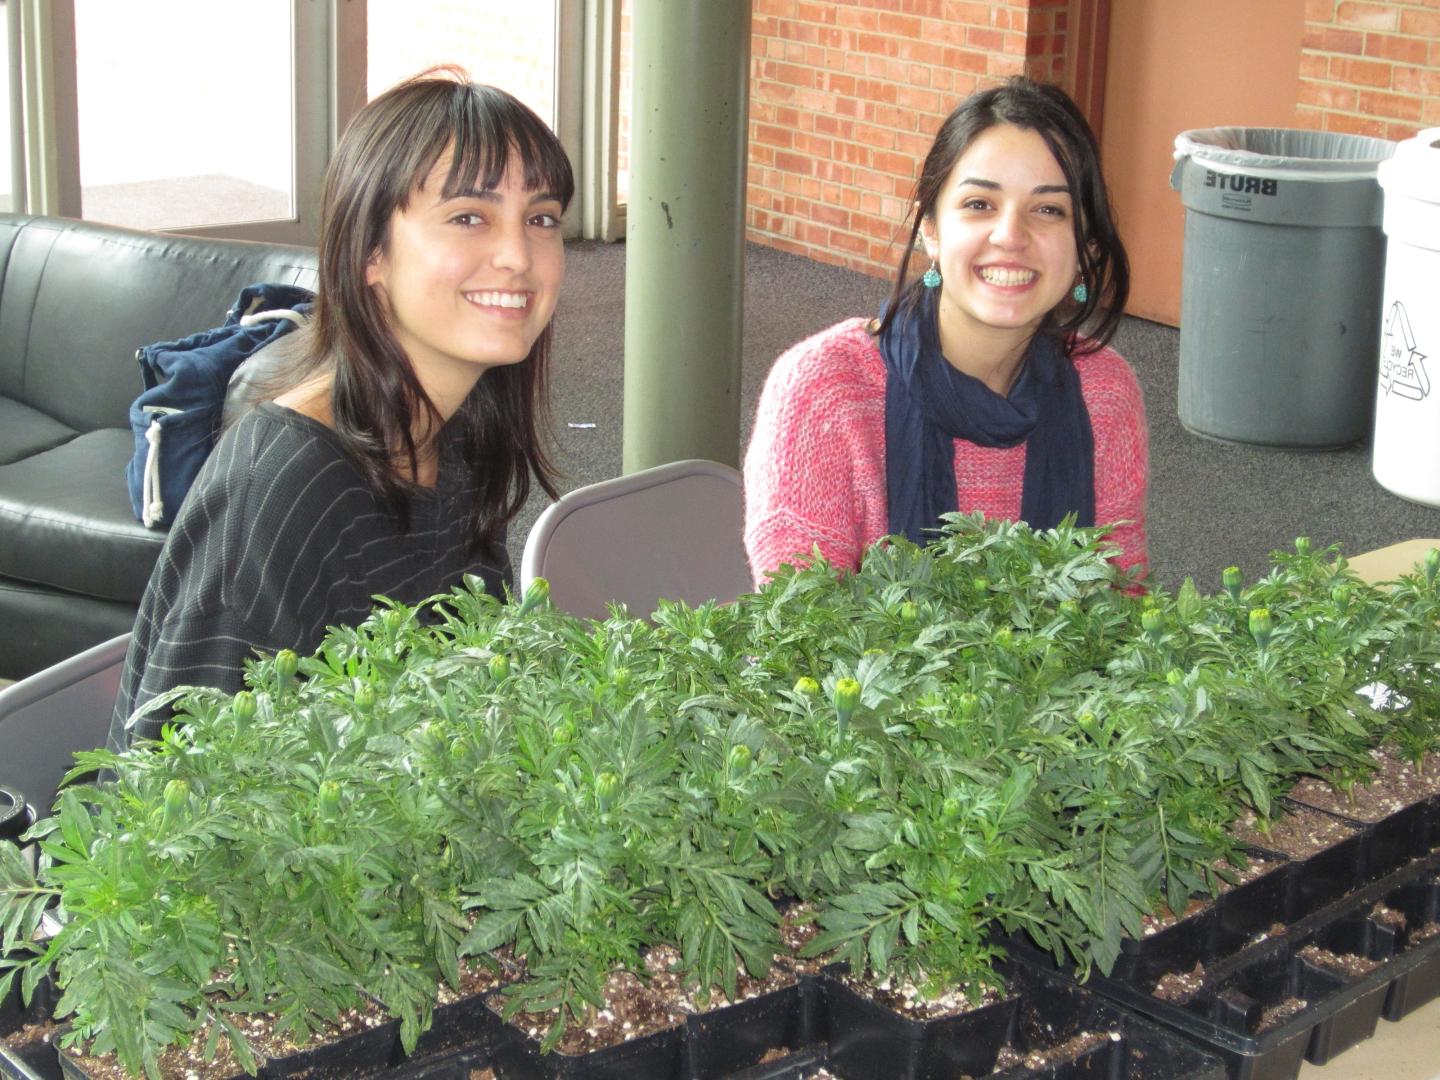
46	717
671	532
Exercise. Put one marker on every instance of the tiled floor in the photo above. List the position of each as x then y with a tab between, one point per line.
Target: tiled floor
1409	1050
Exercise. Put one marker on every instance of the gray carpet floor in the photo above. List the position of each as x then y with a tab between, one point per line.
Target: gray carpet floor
1211	503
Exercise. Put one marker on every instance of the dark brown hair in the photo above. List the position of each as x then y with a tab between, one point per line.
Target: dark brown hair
1047	110
386	152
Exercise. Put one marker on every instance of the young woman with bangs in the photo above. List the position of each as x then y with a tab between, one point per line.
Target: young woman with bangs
986	384
389	453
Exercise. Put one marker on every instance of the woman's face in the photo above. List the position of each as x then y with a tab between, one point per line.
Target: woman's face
1002	236
469	282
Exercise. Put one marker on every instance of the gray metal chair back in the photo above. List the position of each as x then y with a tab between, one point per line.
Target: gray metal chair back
46	717
671	532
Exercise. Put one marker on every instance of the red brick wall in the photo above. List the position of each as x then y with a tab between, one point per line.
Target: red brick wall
845	97
1370	68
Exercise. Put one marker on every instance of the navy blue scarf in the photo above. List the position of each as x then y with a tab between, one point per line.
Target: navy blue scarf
928	403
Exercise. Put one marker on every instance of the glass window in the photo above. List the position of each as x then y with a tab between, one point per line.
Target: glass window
499	42
185	111
7	197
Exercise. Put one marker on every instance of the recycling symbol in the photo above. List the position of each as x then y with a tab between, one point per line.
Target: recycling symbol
1402	365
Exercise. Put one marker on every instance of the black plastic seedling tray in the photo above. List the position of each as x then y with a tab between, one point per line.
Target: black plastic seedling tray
1047	1012
1393	842
35	1062
718	1043
456	1050
1418	901
1053	1010
821	1024
791	1035
1227	1015
1290	893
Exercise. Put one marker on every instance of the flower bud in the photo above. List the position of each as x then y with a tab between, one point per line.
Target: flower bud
1233	582
537	594
1260	625
607	786
243	707
1340	596
177	797
1005	637
620	677
1174	676
1070	609
981	584
365	698
806	686
846	698
967	705
327	800
286	665
739	758
909	613
1302	546
950	809
1432	564
1152	622
499	667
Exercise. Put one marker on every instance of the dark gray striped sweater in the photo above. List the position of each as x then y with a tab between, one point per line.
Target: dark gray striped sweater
279	539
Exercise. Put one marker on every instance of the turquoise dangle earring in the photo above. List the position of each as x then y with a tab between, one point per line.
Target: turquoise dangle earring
931	278
1080	293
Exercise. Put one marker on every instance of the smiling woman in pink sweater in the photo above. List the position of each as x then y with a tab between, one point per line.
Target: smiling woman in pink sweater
975	390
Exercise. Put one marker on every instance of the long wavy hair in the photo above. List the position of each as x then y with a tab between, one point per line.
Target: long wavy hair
376	399
1105	268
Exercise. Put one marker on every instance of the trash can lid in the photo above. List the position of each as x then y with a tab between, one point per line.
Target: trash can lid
1414	171
1317	155
14	814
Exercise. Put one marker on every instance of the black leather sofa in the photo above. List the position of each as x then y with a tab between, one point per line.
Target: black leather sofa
76	300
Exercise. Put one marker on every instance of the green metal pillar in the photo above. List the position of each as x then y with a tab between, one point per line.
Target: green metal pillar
685	231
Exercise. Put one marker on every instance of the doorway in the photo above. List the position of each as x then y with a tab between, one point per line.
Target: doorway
1174	66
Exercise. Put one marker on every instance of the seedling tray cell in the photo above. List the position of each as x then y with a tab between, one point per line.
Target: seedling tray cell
457	1065
1419	938
516	1056
871	1042
34	1061
29	1063
1234	919
1250	910
1053	1010
1394	841
1328	875
362	1054
800	1065
463	1024
725	1040
1178	947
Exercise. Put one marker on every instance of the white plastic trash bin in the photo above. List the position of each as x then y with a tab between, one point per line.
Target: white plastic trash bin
1407	400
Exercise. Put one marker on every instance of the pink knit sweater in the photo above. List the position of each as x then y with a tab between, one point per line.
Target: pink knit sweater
815	469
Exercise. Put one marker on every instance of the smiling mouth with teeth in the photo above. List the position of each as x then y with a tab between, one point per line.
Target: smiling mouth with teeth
993	276
500	299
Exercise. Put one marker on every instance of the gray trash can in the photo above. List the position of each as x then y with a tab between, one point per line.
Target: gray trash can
1281	284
